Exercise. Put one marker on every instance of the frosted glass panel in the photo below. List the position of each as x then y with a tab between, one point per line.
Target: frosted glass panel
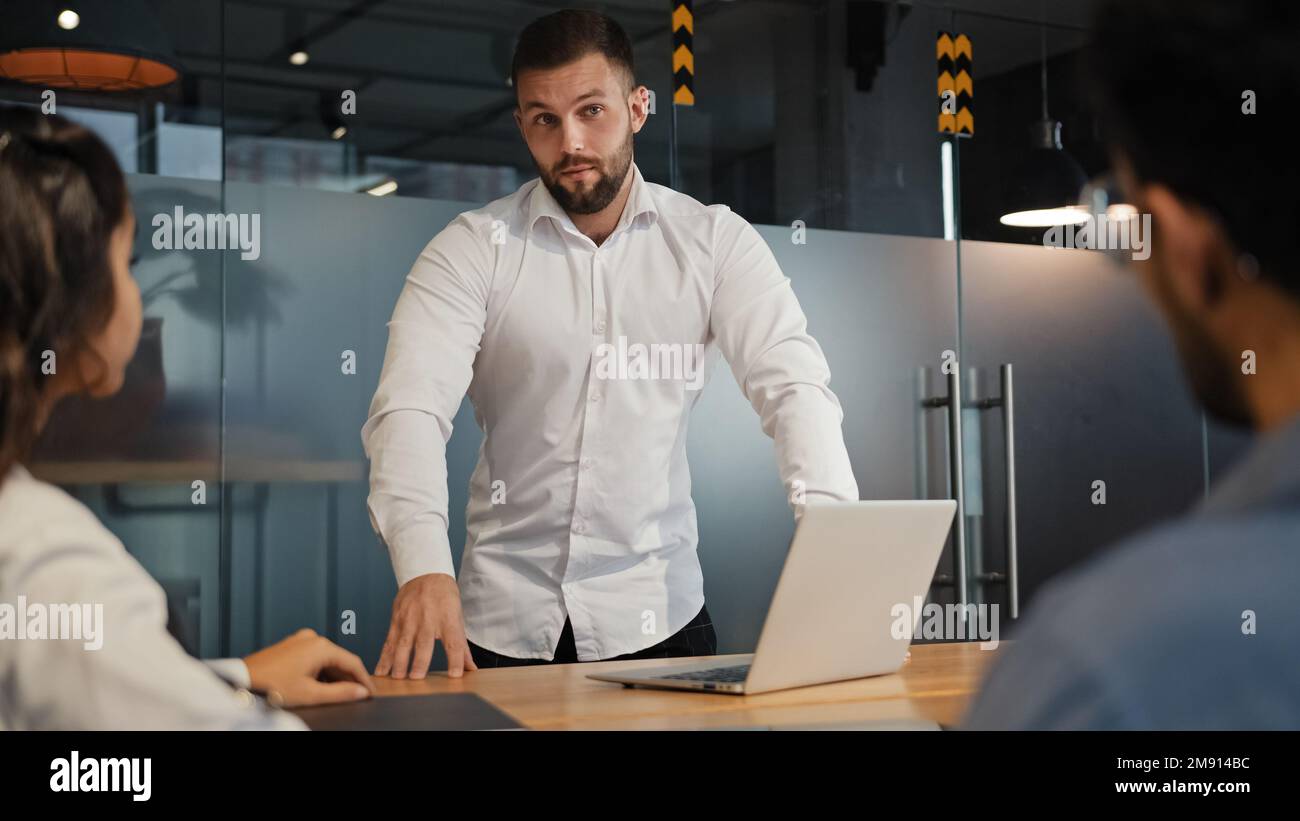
882	308
133	458
329	273
1100	398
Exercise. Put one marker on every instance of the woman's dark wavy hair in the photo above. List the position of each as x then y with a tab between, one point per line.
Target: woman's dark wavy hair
62	194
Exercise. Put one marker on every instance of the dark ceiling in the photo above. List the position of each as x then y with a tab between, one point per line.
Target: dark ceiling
431	74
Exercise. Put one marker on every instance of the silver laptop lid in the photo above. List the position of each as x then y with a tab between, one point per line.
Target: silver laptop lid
834	609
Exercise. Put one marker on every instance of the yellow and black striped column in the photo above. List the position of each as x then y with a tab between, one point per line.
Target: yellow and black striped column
683	53
956	75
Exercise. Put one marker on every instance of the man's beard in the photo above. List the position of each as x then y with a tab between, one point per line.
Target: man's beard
598	195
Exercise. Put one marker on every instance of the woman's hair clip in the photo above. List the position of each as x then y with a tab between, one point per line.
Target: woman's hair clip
4	139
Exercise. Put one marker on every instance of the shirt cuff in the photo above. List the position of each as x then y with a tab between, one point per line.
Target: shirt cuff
233	671
419	550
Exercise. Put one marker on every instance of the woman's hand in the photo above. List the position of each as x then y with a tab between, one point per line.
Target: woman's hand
307	669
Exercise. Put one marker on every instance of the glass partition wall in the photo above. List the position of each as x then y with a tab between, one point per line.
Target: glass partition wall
1032	383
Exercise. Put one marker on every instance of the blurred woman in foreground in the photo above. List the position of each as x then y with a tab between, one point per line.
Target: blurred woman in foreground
67	298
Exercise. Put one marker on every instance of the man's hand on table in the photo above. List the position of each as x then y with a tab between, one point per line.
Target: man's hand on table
426	610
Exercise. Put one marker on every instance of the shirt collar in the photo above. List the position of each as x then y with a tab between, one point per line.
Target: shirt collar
1267	476
17	473
639	201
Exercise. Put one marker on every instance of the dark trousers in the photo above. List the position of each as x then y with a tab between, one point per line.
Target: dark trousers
695	639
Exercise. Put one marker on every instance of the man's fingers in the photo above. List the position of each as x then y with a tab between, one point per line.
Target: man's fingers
458	655
424	641
455	659
402	651
385	664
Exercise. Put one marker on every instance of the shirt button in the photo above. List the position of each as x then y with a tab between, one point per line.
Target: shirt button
579	528
600	325
586	464
595	397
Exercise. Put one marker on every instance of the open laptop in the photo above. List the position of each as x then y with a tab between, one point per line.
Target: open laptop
833	615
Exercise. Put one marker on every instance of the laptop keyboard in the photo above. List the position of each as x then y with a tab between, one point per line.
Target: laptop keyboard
727	674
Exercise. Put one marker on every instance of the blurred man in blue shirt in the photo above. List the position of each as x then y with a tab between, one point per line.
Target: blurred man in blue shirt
1194	624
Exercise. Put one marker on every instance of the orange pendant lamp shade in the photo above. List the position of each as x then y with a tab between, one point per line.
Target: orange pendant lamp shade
118	46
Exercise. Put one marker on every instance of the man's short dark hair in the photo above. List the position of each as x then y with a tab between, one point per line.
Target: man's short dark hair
568	35
1169	80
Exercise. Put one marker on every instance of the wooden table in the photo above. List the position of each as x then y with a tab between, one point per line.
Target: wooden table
933	688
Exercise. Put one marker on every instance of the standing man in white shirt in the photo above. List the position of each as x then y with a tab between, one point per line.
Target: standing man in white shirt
579	314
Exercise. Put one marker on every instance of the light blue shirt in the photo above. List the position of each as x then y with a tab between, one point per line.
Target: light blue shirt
1192	625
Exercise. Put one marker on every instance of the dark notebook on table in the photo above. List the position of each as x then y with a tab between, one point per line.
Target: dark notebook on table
444	711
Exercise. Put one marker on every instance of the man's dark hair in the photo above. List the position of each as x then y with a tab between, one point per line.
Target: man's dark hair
568	35
1168	79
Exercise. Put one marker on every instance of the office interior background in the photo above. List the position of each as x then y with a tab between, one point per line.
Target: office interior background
821	111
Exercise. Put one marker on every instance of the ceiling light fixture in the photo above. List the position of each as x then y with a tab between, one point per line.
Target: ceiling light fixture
1045	186
117	46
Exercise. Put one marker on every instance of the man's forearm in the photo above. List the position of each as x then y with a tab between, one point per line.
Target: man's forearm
408	492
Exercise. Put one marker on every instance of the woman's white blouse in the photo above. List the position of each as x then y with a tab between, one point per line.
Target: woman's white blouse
83	636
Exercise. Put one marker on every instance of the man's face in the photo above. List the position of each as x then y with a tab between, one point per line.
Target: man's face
1185	276
578	120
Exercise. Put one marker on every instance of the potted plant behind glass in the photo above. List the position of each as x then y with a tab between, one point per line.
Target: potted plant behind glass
84	429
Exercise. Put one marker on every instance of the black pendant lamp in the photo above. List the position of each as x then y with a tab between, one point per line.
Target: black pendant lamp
1044	188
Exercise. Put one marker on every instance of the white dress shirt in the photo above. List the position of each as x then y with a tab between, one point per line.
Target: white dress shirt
580	503
54	552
